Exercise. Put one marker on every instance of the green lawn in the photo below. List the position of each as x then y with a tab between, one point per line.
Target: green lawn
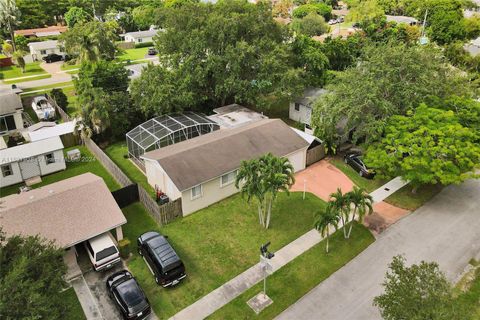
66	66
41	76
73	308
89	164
116	152
16	72
216	244
133	54
403	198
468	299
297	278
47	88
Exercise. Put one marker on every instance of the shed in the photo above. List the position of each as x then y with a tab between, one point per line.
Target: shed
301	107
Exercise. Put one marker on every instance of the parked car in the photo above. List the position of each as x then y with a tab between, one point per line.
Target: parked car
43	109
355	161
152	51
52	57
332	21
124	290
102	251
162	260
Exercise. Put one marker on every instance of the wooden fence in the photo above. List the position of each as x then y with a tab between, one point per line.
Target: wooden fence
163	214
65	117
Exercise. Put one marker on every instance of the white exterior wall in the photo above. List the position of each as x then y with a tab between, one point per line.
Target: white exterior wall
38	55
129	38
303	115
298	159
52	167
156	176
212	192
13	179
18	120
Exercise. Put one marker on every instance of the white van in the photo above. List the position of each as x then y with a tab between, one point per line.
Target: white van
102	251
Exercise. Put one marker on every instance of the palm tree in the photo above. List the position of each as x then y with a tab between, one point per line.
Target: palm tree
82	130
9	15
278	175
326	219
363	205
341	205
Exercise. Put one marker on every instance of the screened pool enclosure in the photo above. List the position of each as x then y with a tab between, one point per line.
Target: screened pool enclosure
165	130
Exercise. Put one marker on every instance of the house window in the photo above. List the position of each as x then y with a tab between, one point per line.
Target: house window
49	158
297	106
7	170
7	123
197	192
43	51
140	40
228	178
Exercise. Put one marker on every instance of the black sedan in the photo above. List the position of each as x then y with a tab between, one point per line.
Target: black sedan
355	161
128	296
52	57
152	51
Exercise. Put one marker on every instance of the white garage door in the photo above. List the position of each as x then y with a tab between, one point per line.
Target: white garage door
29	168
297	160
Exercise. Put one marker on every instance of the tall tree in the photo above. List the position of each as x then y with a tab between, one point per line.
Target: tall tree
420	291
9	17
362	205
339	203
90	41
262	179
324	221
427	146
389	79
31	278
309	56
311	25
76	15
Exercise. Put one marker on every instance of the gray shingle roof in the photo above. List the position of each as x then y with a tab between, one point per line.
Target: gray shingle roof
11	102
206	157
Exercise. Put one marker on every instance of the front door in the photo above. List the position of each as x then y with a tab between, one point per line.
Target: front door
29	168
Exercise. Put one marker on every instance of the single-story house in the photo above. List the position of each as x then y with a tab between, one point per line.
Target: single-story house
140	36
235	115
41	32
31	160
11	110
40	49
67	212
202	170
301	107
45	130
402	20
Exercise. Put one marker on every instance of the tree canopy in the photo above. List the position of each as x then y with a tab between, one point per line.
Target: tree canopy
75	15
311	25
389	79
427	146
31	279
214	55
319	8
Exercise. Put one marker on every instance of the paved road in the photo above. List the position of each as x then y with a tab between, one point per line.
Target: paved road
445	230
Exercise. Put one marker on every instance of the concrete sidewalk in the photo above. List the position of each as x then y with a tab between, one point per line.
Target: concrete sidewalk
219	297
86	299
388	189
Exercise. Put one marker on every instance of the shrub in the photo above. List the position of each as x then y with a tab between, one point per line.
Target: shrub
124	248
144	44
60	98
319	8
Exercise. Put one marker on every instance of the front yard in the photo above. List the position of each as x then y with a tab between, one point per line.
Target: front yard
216	244
133	54
73	309
88	163
403	198
31	69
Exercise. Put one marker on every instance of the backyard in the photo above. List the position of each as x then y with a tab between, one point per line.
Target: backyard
31	69
117	152
403	198
216	244
88	163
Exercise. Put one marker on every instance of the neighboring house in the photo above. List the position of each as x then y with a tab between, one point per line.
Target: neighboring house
67	212
202	170
301	108
235	115
38	50
402	20
31	160
11	110
140	36
63	130
473	47
41	32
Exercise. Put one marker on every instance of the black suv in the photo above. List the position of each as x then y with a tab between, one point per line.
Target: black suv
128	296
152	51
52	57
355	161
161	259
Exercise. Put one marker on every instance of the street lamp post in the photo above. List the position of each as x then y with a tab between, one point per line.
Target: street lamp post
265	256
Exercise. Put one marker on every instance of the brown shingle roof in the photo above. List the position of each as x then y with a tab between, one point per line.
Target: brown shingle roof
203	158
33	32
69	211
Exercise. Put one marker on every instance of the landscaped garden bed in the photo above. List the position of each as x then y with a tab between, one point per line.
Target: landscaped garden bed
216	244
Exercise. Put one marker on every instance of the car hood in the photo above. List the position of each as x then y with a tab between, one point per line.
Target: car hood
140	307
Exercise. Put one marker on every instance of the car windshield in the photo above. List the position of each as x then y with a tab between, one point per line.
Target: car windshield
106	252
173	266
130	293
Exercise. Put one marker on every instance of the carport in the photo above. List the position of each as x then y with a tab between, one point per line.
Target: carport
67	212
316	149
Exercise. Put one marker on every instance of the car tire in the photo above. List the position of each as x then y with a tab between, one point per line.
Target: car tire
157	281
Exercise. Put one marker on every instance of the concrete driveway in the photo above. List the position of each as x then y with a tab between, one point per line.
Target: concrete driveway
445	230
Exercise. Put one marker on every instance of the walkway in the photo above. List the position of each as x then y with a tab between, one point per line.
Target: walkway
87	301
444	230
219	297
